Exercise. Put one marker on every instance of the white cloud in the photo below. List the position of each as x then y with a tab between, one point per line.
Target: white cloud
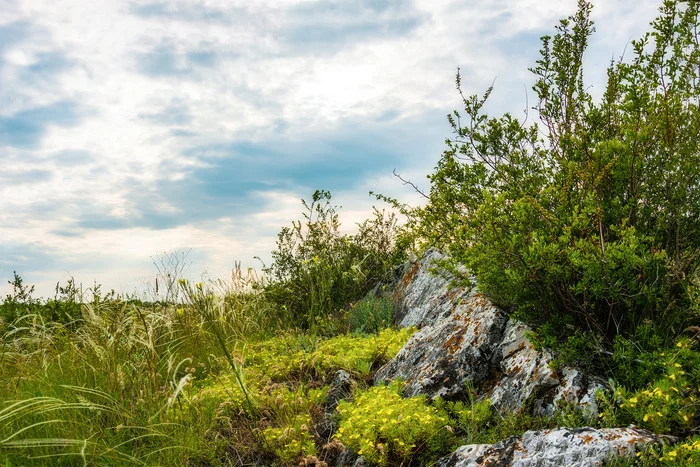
151	84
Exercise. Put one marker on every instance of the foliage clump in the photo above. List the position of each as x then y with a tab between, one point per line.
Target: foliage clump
309	357
317	271
665	405
385	428
371	314
292	441
591	216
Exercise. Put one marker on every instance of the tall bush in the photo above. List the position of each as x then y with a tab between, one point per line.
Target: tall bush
317	271
592	215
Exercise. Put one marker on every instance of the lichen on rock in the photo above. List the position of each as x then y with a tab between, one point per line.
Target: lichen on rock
465	339
579	447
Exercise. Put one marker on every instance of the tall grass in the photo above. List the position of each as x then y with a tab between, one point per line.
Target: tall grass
115	386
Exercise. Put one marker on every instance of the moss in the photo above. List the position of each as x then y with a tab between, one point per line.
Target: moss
306	358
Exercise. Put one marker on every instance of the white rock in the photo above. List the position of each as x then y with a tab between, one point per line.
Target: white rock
424	297
441	358
580	447
464	338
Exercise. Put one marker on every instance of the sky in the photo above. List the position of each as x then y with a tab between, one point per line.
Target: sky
133	128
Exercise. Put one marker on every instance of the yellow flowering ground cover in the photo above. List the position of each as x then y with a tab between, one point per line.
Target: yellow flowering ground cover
383	427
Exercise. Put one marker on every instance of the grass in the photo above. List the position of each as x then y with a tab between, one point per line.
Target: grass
211	380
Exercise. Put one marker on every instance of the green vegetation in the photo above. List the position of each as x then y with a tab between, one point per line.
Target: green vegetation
383	427
592	217
317	271
586	226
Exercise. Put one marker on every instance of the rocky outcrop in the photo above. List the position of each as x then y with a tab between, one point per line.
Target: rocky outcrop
527	381
440	358
581	447
424	295
464	338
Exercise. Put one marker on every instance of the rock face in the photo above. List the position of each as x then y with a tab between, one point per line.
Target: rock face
440	358
464	338
425	298
581	447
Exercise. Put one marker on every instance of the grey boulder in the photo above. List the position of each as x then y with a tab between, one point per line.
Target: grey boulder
580	447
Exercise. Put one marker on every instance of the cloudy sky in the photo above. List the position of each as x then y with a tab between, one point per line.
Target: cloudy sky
130	128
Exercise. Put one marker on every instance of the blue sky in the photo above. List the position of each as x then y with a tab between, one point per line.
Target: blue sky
132	128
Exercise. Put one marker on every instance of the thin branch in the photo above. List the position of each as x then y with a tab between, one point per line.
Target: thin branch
408	182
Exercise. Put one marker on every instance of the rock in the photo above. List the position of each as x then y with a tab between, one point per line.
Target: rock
524	372
441	358
425	297
526	378
347	458
579	389
580	447
464	338
335	453
340	387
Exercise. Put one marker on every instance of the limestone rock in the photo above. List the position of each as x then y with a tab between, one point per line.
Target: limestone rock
527	379
463	337
439	359
423	296
580	447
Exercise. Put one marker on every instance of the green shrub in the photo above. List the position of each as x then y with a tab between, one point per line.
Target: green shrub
64	308
683	454
599	219
686	453
385	428
665	405
317	271
469	418
639	359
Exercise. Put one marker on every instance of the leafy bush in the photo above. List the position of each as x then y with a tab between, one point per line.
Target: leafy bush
639	358
317	271
598	220
469	417
64	308
684	454
385	428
